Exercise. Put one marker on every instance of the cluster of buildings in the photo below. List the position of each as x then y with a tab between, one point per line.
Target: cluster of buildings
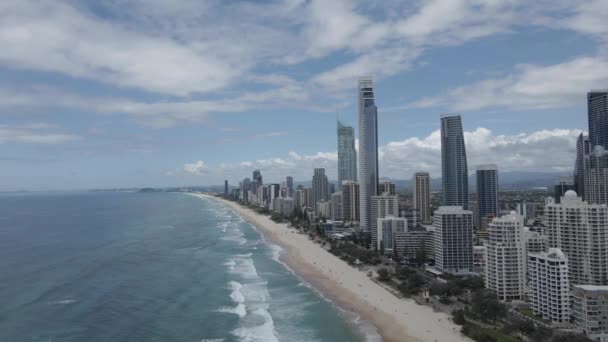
559	266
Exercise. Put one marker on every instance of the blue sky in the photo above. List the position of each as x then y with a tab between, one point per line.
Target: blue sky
159	93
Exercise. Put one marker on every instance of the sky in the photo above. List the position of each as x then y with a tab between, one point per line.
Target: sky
118	93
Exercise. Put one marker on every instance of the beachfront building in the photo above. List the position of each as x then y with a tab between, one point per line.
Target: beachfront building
368	151
336	206
347	155
582	167
386	228
283	206
579	229
422	195
562	185
453	240
597	111
505	267
323	209
298	198
487	193
454	170
308	198
414	244
549	286
382	206
350	201
590	311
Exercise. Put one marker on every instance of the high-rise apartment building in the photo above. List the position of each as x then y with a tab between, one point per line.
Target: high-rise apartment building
422	195
308	199
347	155
579	229
336	206
487	192
386	186
387	227
505	269
320	188
549	286
453	240
454	170
350	201
226	187
382	206
368	149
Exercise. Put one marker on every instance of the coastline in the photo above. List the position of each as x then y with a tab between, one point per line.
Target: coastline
395	319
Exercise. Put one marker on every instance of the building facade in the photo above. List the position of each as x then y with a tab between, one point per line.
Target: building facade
453	243
388	226
414	244
320	188
454	170
582	167
337	206
350	201
422	195
382	206
284	206
579	229
347	155
562	185
590	311
368	150
597	114
549	286
505	269
386	186
487	192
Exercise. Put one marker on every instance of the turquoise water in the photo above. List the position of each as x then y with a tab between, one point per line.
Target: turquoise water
149	267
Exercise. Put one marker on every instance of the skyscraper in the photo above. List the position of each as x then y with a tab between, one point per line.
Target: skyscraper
319	187
226	187
454	170
257	177
453	240
562	185
289	184
386	186
422	195
487	192
368	149
350	201
582	166
597	108
347	155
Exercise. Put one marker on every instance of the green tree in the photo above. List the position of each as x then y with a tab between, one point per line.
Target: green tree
383	274
458	317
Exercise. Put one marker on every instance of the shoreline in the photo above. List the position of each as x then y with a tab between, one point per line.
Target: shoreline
349	288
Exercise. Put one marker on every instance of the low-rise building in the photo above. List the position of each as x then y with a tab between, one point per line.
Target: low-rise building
387	226
414	244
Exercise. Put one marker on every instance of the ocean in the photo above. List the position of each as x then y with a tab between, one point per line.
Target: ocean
119	266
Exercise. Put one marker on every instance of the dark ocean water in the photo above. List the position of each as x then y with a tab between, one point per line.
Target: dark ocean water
149	267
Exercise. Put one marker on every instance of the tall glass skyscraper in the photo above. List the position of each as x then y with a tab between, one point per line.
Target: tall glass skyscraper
487	192
347	155
319	187
368	149
454	170
582	166
597	108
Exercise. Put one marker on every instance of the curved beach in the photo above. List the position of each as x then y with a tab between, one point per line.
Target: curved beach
396	319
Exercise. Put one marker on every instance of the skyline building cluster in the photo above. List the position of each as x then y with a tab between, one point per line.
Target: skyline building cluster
559	264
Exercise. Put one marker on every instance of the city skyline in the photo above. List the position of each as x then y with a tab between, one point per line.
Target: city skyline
167	94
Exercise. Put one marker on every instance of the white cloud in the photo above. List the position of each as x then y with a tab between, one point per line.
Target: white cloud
528	87
34	133
196	168
401	159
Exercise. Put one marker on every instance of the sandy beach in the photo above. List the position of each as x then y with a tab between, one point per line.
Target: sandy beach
396	319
